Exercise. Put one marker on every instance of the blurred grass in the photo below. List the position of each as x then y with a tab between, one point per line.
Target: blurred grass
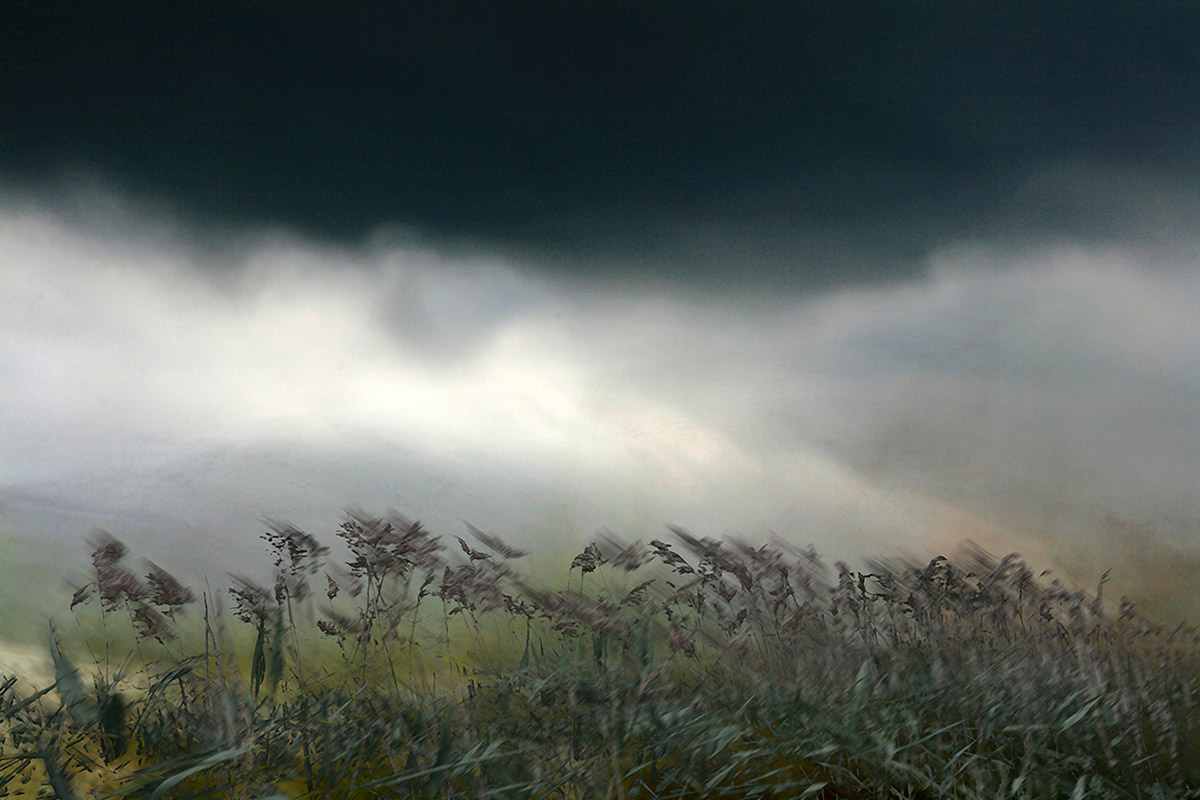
406	665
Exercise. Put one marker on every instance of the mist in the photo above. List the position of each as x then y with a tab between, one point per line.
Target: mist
180	385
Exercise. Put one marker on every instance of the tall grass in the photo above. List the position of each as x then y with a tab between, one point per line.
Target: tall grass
420	667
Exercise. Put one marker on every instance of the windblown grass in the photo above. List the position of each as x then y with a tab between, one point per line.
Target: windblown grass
693	668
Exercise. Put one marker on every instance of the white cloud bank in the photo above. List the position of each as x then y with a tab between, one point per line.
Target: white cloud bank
1000	392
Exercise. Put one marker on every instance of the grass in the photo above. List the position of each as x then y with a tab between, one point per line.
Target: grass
420	667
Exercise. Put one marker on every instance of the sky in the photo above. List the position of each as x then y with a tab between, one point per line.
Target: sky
874	276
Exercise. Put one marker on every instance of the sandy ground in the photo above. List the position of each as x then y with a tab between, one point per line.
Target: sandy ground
31	665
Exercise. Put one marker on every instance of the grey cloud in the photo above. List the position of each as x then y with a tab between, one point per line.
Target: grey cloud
1062	379
1071	383
1005	391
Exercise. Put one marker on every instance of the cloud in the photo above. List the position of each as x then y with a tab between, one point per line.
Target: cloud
611	135
1063	377
1028	390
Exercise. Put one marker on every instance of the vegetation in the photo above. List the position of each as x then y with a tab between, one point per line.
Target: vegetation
693	668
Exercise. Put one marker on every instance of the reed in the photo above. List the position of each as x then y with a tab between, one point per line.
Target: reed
418	666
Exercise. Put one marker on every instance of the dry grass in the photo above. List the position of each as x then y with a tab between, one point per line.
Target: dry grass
694	668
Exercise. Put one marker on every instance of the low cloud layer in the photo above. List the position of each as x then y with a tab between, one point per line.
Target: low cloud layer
1016	396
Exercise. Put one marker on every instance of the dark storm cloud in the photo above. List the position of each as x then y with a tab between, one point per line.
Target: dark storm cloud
789	138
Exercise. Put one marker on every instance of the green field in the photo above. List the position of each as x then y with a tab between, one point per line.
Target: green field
419	667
